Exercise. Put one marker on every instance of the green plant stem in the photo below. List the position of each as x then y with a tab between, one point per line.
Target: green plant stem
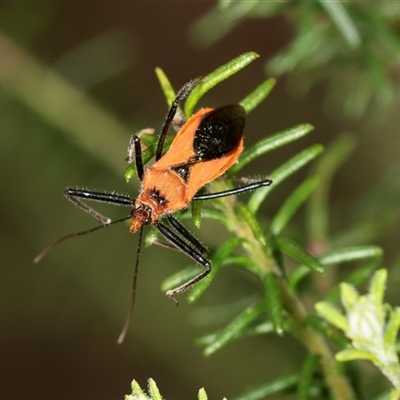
314	342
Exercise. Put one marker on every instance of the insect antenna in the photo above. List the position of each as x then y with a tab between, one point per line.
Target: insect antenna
134	283
51	246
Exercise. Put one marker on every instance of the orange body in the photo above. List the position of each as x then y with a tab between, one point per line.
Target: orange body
206	146
164	190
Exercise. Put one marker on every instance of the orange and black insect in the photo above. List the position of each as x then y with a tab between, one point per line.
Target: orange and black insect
204	148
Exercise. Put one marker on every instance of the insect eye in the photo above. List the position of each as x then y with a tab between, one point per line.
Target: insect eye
142	213
146	218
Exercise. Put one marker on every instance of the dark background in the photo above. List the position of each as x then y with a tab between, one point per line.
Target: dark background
60	319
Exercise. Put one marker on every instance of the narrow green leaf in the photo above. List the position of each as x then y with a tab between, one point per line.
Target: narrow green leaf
339	256
136	389
137	393
217	76
130	172
386	395
394	394
292	204
260	93
331	314
349	296
279	385
195	207
343	21
293	249
217	262
392	327
208	213
166	86
397	346
153	390
186	274
274	304
260	328
152	237
306	377
224	5
232	330
207	340
378	285
247	216
254	329
352	253
270	143
371	254
240	260
354	354
283	172
180	277
202	394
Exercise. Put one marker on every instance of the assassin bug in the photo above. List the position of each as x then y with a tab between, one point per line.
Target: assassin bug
204	148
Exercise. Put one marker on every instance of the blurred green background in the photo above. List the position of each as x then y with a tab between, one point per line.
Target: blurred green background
76	80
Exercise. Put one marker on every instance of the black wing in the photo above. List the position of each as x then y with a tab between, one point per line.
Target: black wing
220	132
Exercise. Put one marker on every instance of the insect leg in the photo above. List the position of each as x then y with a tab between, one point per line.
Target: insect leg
192	252
186	234
181	95
234	191
134	151
75	196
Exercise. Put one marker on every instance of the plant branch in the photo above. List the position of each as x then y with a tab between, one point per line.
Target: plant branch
314	342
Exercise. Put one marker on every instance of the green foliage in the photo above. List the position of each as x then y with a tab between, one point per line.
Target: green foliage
139	394
352	46
282	264
300	260
153	392
371	326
